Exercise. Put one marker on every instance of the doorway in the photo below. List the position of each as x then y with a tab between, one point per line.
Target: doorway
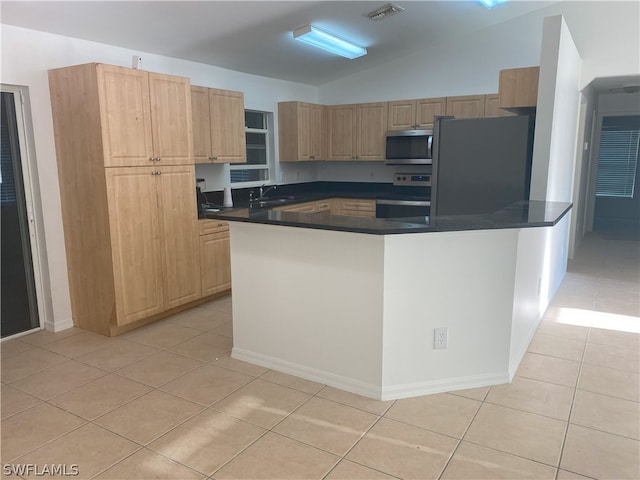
617	203
18	300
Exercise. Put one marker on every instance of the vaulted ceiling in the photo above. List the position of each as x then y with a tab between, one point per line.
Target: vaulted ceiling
255	36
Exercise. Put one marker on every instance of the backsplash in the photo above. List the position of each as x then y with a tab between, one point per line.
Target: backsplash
216	176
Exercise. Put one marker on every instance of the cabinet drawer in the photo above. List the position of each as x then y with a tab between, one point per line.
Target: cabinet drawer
359	205
307	207
209	225
357	213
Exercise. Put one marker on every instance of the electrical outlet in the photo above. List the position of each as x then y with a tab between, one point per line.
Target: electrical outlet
440	338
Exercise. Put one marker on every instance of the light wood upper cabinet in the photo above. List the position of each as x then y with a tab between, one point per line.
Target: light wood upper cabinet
218	119
171	119
201	124
145	117
426	109
491	108
301	131
415	114
228	139
342	132
518	88
153	222
356	132
466	106
370	131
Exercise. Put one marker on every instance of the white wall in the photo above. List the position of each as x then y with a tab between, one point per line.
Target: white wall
557	115
606	35
605	32
27	55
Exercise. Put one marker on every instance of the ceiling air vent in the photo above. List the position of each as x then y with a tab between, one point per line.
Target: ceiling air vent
384	11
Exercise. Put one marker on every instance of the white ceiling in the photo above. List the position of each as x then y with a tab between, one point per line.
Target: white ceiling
255	36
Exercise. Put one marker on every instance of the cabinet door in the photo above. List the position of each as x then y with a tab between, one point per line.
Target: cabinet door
307	207
491	108
372	125
466	106
179	230
135	242
402	115
215	257
228	140
518	87
342	132
317	132
171	120
125	114
304	128
201	124
427	108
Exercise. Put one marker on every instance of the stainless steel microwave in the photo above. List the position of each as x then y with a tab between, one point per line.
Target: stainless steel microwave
409	147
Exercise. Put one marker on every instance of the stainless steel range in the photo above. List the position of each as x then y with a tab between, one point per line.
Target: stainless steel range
411	199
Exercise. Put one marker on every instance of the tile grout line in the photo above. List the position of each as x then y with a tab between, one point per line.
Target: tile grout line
446	465
573	399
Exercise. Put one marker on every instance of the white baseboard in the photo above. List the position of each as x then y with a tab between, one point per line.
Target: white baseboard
369	390
59	325
312	374
440	386
514	361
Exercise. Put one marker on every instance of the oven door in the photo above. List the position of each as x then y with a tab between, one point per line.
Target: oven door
386	208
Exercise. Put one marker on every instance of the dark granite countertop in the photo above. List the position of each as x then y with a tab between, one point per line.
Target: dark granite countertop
524	214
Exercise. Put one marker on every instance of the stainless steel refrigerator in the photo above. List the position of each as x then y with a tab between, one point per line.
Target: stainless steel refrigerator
480	165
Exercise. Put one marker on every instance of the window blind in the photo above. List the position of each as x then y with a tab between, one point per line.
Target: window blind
7	186
618	157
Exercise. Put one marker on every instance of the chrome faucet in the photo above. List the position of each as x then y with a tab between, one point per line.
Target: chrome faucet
264	191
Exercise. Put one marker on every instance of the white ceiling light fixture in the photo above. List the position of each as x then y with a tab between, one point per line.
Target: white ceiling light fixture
384	12
492	3
326	41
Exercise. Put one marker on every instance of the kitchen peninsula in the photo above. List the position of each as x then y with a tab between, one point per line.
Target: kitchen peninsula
355	302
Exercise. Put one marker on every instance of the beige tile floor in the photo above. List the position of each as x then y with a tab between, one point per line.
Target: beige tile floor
167	401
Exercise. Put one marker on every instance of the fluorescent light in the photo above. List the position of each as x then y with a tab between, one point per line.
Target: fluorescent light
319	38
492	3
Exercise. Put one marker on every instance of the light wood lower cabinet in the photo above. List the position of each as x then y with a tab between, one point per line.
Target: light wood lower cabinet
353	207
215	257
334	206
306	207
152	219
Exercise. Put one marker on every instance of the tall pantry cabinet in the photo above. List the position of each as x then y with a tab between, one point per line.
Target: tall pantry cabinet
127	185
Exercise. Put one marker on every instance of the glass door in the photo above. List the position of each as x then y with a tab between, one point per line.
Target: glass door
19	309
